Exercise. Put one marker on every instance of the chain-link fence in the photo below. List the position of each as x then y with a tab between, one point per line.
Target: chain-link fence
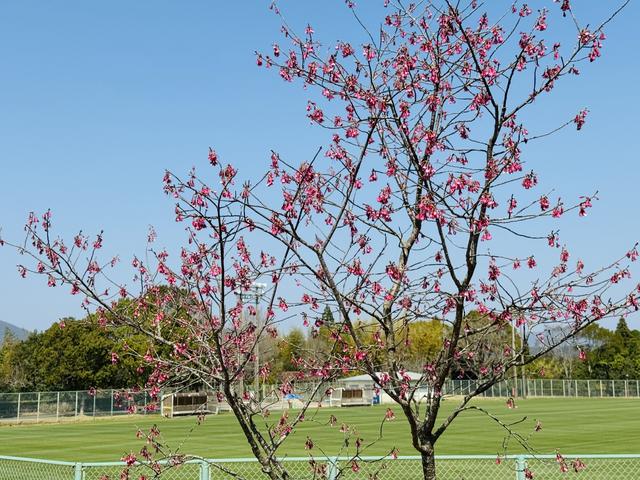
54	406
16	468
510	387
548	387
449	467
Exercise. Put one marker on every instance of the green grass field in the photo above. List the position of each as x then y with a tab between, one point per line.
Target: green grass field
578	426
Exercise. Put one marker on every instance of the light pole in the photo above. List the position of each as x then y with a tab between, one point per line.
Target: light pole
523	370
255	293
514	392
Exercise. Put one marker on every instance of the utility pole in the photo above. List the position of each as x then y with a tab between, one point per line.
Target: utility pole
255	292
514	389
524	370
258	290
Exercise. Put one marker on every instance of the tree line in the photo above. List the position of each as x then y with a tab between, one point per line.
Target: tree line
75	355
596	353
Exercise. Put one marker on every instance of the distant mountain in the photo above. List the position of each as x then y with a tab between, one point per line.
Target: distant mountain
20	333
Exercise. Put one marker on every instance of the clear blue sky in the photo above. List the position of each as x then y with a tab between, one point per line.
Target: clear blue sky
98	98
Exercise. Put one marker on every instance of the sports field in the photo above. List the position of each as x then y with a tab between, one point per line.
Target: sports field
578	426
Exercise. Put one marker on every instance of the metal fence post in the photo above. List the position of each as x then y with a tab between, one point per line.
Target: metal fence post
333	469
601	388
626	388
18	410
521	465
204	470
77	472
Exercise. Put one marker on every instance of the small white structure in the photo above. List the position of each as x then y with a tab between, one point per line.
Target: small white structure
191	403
362	390
352	396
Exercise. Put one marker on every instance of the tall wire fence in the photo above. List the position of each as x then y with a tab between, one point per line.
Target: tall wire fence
449	467
547	387
55	406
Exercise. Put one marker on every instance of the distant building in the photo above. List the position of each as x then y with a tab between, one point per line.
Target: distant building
362	390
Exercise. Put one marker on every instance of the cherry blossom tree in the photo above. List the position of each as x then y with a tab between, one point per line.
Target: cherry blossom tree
201	332
423	206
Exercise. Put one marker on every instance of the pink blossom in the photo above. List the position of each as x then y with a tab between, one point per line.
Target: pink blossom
283	305
578	465
580	118
557	211
129	459
346	49
541	23
525	11
213	157
544	203
351	132
494	271
369	52
586	203
529	181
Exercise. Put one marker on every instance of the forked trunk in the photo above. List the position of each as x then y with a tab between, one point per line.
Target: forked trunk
429	465
275	471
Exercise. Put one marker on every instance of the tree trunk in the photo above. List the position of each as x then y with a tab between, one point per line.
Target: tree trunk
429	465
275	471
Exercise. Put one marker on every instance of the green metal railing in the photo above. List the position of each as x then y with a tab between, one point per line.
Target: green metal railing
449	467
